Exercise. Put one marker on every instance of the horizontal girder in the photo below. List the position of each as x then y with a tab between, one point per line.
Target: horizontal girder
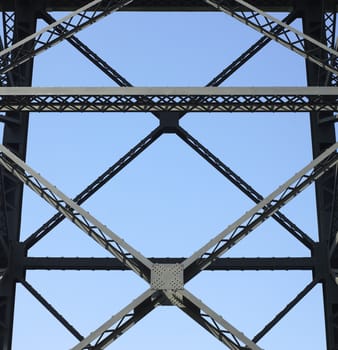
220	264
149	5
173	99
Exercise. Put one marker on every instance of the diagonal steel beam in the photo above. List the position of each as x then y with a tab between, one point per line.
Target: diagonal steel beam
52	310
51	35
235	232
283	312
120	323
289	37
243	186
227	72
95	186
86	222
211	321
249	53
121	81
87	52
245	57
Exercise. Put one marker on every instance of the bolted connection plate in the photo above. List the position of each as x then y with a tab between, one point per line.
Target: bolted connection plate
167	277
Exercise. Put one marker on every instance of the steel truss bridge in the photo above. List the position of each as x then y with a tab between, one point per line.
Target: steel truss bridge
166	277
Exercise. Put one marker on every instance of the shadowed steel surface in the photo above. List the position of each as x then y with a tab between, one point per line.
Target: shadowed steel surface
153	5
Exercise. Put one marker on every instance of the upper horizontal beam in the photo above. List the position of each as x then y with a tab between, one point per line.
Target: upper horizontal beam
173	99
149	5
170	91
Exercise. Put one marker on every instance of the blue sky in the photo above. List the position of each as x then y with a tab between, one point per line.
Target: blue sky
169	201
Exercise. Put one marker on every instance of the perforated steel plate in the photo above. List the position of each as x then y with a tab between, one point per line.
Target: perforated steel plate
167	276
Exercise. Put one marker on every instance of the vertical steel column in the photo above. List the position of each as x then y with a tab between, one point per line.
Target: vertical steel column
15	138
323	135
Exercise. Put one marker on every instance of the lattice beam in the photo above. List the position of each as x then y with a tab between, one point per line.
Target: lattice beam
130	99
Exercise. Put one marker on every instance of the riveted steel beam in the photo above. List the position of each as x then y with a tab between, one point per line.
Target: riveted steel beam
235	232
154	5
95	186
87	52
52	34
289	37
52	310
211	321
243	186
86	222
220	264
120	322
198	99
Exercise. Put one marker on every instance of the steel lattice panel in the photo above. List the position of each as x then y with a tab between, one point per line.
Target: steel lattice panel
166	277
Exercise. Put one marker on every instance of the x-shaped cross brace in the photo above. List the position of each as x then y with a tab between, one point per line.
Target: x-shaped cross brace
167	280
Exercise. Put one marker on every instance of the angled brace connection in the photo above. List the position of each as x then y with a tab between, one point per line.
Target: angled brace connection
289	37
49	36
86	222
235	232
112	328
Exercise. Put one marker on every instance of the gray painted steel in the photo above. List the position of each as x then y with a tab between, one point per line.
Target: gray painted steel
167	276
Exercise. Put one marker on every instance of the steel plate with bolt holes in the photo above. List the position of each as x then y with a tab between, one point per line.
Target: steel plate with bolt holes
167	277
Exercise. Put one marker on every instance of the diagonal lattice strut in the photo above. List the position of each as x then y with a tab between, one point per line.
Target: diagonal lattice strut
243	186
42	40
86	222
283	312
88	53
127	317
289	37
112	328
121	81
52	310
235	232
95	186
211	321
249	53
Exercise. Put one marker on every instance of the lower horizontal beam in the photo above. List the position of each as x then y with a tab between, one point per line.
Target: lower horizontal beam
221	264
174	99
